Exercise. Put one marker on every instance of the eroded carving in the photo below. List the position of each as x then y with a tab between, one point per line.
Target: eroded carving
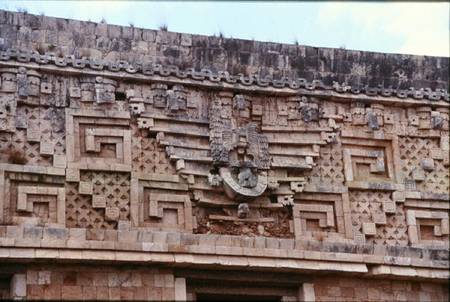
283	164
7	113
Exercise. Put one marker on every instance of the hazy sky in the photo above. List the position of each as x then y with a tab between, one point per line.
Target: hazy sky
412	28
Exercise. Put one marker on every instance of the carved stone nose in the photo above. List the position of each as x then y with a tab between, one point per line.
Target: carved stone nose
247	179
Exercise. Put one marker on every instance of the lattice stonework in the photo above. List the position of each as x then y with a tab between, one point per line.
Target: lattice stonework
415	152
148	156
329	168
32	195
374	219
99	200
394	232
39	135
31	150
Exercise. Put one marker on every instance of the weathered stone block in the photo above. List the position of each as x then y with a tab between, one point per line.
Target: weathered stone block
46	148
112	213
19	286
85	188
98	201
369	229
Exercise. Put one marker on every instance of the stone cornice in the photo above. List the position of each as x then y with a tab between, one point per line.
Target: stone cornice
223	250
220	78
302	262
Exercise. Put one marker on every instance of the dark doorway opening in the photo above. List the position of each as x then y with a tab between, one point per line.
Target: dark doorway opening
230	297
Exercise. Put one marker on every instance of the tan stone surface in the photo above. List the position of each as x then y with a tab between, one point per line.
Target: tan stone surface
148	169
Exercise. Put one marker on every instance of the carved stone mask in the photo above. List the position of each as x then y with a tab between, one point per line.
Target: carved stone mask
246	178
243	210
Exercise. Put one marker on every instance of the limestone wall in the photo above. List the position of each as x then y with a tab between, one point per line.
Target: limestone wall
98	283
172	169
130	283
113	43
349	289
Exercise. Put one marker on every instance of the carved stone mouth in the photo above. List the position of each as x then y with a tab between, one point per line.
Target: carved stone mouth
235	190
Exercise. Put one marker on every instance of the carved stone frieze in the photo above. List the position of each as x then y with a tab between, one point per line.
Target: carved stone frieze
140	164
177	155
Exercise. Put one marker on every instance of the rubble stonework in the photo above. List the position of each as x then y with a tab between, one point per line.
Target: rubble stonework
128	149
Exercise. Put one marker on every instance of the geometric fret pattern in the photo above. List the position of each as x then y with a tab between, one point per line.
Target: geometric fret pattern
94	152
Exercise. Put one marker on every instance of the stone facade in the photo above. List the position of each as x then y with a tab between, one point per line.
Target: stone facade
184	167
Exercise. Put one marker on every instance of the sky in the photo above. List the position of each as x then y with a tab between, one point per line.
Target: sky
403	27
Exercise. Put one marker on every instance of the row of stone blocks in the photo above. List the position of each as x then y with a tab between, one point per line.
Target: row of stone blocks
100	37
101	283
160	241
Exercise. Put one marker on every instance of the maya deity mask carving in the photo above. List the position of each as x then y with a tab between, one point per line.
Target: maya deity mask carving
239	151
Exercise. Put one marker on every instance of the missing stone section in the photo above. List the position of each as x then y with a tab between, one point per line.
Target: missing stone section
239	286
5	286
120	96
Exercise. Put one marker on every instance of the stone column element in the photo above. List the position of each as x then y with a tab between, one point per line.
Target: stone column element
306	292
